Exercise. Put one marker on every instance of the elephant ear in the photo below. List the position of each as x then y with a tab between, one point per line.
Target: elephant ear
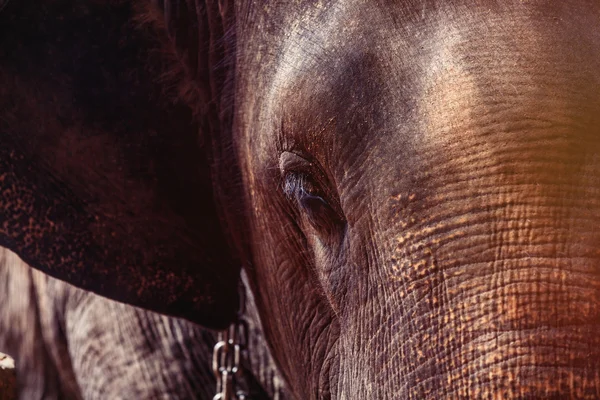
103	182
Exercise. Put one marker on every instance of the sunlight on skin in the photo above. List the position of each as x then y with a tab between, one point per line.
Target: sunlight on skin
6	362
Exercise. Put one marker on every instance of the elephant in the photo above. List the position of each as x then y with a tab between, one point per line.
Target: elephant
411	188
72	344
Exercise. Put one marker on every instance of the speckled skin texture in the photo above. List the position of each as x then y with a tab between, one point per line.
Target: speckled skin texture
104	182
8	384
107	106
412	186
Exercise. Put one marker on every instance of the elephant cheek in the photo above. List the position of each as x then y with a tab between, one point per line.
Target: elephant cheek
513	314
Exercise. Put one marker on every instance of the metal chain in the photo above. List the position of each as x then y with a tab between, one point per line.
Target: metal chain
226	361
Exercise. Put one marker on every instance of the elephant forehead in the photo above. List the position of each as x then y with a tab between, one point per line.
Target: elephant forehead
410	91
307	50
329	82
518	64
349	70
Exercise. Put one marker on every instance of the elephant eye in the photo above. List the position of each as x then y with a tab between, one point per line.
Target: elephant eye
310	202
308	195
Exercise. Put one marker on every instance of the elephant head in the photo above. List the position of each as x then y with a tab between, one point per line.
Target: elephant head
412	187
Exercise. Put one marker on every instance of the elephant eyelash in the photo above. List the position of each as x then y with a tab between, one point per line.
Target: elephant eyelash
307	188
297	186
314	208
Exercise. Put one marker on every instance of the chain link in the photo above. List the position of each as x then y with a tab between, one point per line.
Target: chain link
226	361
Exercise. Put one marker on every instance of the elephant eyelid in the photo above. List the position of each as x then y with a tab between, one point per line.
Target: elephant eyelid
289	162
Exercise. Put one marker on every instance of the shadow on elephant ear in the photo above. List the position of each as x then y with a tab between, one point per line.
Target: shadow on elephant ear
104	181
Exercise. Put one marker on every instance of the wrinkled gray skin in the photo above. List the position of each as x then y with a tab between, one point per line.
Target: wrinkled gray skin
422	187
72	344
423	180
413	188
